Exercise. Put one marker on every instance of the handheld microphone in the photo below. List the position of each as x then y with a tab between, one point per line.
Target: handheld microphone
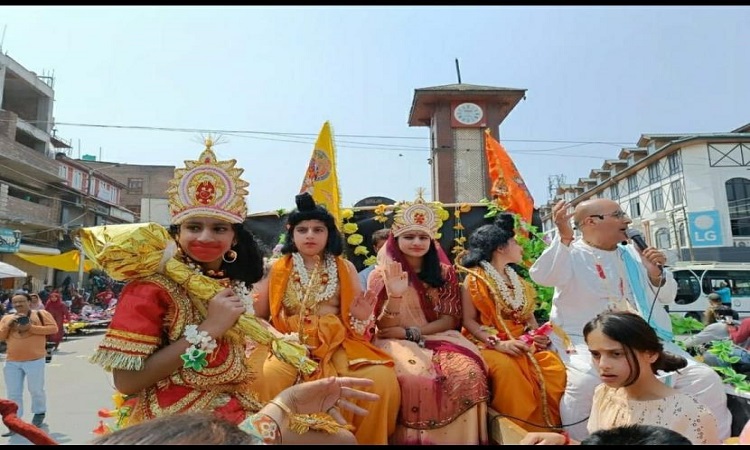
637	238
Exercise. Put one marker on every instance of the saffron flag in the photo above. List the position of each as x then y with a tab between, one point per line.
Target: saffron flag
508	188
320	179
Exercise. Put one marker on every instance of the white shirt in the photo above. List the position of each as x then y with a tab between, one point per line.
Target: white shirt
580	291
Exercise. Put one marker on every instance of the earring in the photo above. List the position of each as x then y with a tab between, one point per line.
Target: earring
229	257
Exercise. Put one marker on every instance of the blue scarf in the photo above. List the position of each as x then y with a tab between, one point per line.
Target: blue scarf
635	279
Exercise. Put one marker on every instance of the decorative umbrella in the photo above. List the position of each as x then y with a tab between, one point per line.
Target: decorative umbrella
8	271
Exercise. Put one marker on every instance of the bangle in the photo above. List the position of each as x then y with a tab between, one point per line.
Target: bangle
413	334
491	341
395	296
566	436
302	423
201	344
361	326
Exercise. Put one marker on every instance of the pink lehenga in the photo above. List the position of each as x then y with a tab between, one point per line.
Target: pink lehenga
443	381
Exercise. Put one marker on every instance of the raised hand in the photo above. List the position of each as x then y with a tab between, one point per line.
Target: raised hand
561	215
328	395
363	305
396	280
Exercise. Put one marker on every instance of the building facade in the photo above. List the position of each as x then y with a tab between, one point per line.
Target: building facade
30	180
689	194
144	188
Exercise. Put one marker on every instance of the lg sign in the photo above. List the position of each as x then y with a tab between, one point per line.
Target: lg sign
705	229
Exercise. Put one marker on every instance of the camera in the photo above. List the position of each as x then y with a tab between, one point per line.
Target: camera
23	320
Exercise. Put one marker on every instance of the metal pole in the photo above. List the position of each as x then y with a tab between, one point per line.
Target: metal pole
687	231
81	259
676	235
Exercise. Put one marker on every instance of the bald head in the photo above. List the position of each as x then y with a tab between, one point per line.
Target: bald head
591	207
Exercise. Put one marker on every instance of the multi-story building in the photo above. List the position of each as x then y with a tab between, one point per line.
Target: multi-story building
688	193
145	188
30	180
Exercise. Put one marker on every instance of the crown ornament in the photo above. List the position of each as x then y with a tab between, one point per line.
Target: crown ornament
418	215
207	187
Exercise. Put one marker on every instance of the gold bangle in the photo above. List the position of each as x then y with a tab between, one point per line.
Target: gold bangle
302	423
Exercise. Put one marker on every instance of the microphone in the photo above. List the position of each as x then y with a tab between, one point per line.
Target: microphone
637	238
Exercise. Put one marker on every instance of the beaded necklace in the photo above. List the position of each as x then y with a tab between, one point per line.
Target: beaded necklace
239	287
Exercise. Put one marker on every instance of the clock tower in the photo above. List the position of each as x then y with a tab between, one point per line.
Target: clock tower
457	115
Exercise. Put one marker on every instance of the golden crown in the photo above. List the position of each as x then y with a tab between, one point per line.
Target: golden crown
417	216
208	188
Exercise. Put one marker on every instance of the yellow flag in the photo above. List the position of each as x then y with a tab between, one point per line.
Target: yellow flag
321	180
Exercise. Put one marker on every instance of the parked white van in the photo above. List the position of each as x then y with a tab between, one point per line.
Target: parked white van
695	280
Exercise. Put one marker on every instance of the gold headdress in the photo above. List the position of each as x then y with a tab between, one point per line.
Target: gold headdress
417	216
208	188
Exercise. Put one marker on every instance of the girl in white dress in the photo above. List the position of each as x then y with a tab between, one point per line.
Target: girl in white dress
622	344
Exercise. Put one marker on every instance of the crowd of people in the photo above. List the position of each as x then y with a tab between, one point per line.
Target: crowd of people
414	351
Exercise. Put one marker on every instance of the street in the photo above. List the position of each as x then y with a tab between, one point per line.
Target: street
76	390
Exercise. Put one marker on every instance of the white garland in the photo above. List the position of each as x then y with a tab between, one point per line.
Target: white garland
515	301
304	277
241	290
199	340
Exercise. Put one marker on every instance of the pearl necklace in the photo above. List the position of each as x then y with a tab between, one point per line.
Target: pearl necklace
329	278
515	301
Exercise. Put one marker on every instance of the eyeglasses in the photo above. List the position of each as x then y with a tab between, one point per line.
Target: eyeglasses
617	215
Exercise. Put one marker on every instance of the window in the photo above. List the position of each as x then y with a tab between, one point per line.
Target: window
675	163
635	207
135	185
688	286
662	238
653	173
737	280
106	192
676	192
63	171
738	203
632	183
77	180
657	200
613	194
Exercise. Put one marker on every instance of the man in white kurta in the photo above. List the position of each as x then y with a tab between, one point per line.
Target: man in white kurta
596	273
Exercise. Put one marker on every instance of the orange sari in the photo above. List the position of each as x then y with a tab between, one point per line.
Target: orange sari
338	349
518	391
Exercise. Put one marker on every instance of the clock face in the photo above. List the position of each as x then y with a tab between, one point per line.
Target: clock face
468	113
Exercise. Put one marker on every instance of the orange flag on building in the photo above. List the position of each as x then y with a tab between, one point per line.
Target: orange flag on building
508	188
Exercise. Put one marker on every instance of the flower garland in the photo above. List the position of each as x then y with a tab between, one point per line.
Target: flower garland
517	300
459	238
329	277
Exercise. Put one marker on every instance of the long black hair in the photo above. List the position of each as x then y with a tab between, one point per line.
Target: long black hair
487	238
248	266
634	333
308	210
